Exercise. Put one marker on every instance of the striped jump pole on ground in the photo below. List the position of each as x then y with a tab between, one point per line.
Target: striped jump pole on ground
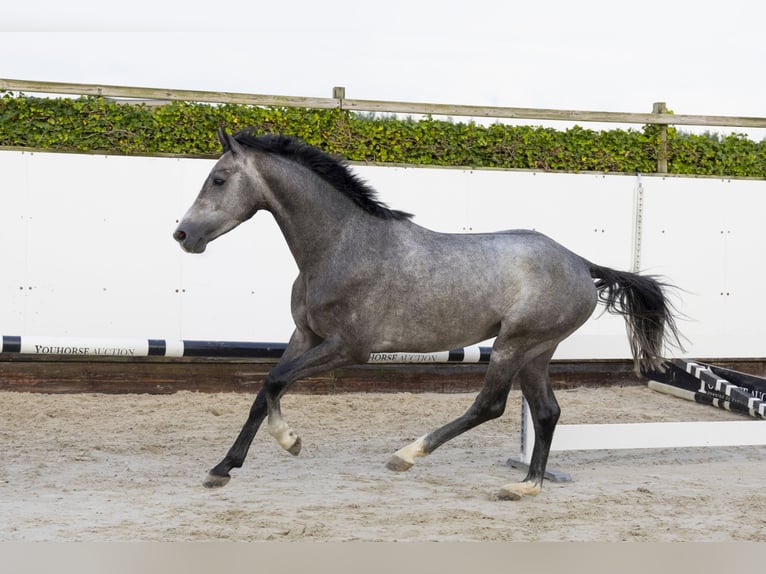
720	389
706	385
117	347
702	398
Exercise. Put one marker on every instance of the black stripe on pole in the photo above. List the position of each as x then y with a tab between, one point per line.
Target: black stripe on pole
456	356
675	374
234	349
157	347
11	344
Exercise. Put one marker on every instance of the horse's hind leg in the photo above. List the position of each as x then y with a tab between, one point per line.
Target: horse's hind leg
489	404
535	384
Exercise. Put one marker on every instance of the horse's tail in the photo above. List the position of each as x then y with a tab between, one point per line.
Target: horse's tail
649	316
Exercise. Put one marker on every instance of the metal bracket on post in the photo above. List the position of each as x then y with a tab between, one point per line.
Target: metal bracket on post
528	443
638	224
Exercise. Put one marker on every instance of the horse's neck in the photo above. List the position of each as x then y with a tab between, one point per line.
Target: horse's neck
313	217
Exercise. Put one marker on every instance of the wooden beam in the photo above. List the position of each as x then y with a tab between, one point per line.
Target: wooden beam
165	94
551	114
160	375
378	106
49	374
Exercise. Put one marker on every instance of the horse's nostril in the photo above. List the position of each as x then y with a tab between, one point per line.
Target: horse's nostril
179	235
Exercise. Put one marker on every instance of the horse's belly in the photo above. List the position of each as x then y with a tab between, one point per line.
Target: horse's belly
417	329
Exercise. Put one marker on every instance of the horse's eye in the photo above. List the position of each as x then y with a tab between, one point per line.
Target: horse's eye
218	181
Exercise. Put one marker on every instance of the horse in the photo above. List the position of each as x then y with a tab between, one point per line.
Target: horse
370	280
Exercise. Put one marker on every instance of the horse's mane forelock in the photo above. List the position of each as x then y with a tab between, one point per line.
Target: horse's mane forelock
334	171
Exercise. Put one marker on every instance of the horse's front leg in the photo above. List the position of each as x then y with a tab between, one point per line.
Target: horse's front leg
219	475
300	342
265	406
327	355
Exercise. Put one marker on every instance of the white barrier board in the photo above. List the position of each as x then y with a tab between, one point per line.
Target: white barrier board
659	435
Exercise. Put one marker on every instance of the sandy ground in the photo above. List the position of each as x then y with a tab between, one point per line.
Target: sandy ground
129	467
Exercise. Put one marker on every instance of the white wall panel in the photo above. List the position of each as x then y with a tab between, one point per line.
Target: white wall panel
239	288
707	236
14	188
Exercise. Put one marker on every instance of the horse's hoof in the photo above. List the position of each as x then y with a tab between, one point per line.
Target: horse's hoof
216	480
507	494
517	490
296	448
398	464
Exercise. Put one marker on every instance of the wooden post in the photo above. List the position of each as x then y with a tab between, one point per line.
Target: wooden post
662	151
339	93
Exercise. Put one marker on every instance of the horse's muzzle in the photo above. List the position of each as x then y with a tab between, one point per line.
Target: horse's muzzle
186	242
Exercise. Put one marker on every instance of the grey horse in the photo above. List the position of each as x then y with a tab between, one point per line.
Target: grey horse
372	281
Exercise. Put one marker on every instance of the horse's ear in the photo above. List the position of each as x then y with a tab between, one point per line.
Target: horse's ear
223	138
228	142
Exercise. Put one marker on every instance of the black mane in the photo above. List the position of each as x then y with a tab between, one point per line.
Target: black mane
333	171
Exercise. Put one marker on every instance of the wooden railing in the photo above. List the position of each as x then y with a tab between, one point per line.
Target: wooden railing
659	114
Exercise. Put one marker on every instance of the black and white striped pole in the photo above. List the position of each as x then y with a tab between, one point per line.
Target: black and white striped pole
84	347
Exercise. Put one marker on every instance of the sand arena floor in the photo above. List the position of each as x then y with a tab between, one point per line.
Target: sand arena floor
129	467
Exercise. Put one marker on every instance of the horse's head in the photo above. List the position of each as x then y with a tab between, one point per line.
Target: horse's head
227	198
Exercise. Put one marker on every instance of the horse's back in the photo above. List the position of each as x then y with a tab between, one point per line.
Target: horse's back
524	266
515	255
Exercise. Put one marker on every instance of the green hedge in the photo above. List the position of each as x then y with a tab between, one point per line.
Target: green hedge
93	124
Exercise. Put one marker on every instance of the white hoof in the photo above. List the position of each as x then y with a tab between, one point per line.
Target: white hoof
517	490
286	437
404	458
